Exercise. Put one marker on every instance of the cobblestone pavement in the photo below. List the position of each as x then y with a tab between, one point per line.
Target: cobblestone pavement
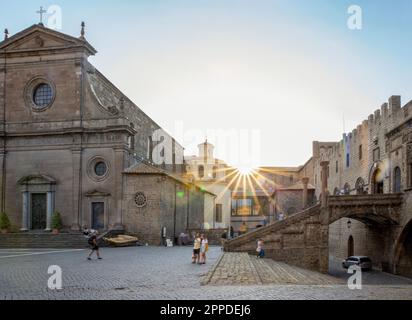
157	273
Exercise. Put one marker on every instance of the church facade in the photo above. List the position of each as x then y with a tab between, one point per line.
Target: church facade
71	142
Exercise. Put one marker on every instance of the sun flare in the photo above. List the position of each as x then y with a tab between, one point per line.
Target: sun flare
245	171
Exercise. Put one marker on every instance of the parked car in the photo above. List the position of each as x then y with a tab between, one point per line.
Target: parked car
362	261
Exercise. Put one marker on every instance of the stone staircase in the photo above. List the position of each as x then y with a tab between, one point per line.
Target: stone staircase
300	239
43	240
244	269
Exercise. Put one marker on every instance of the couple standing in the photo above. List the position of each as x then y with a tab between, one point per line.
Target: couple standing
200	247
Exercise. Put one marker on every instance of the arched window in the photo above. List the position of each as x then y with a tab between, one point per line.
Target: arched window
397	180
291	210
360	186
201	171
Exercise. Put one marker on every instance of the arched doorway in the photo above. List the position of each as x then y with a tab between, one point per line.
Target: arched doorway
403	252
377	182
360	186
351	247
346	189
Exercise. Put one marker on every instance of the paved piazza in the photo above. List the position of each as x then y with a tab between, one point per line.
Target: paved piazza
166	273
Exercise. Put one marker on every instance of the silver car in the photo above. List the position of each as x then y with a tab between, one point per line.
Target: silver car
362	261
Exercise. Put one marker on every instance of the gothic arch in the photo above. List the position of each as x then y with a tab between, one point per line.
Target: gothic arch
403	252
346	189
377	180
360	186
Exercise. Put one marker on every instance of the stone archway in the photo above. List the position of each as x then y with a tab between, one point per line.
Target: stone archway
403	252
351	247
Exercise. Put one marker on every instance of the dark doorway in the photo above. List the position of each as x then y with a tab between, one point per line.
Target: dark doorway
38	211
98	215
351	247
377	182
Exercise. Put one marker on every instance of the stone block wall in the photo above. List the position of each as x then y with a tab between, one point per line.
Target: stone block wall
300	240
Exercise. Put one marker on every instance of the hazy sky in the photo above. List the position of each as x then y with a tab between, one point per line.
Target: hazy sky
291	69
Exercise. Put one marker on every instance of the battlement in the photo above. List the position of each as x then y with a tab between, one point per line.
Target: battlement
388	116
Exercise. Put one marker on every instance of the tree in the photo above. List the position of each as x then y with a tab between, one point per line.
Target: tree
56	222
4	222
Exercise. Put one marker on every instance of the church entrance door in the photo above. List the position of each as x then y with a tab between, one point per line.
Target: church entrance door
38	211
98	215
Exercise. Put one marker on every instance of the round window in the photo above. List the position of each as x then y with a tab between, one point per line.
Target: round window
43	95
140	199
100	169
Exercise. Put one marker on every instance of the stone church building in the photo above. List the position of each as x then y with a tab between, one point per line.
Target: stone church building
71	142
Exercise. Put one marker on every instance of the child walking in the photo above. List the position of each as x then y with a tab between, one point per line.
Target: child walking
260	251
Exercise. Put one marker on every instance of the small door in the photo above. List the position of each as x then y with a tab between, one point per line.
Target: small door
38	211
98	215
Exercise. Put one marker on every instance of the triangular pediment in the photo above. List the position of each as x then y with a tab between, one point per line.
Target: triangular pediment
97	193
36	179
39	37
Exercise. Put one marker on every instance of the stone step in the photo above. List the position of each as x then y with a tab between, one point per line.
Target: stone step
43	240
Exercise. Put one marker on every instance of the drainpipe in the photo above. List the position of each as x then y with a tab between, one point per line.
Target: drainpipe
174	215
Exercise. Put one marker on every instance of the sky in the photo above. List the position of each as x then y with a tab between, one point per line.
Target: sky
273	75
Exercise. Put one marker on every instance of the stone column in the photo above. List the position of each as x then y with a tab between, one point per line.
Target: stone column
25	212
2	179
76	189
50	209
325	169
305	182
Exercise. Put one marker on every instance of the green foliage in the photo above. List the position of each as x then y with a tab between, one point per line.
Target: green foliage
4	221
56	222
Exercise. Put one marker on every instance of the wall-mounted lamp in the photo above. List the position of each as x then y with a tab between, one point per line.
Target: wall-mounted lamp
349	224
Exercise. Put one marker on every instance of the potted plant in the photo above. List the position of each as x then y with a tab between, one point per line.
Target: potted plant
56	223
4	223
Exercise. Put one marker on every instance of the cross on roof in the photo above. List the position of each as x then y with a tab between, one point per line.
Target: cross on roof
41	11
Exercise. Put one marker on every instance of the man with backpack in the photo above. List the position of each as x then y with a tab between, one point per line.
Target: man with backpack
92	241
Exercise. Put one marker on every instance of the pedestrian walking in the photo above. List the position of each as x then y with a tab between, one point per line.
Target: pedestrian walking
196	249
259	250
204	248
93	245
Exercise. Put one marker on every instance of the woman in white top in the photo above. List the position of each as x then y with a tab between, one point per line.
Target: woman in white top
203	249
